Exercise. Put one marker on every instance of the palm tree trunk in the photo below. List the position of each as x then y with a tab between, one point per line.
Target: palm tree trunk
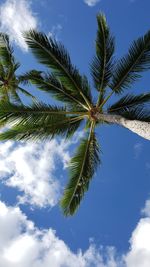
141	128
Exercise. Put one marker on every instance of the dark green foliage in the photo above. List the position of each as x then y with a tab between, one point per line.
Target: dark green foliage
48	83
139	113
9	81
129	67
102	64
54	56
37	131
82	167
6	51
38	121
129	101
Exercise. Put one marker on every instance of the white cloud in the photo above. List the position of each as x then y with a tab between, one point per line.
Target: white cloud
24	245
146	209
55	31
30	167
91	3
16	17
139	254
137	150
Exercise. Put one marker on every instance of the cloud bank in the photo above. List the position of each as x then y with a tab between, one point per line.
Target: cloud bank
24	245
16	16
29	167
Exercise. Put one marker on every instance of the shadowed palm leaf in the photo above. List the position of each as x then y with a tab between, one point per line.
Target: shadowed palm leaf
9	81
102	64
82	167
129	101
130	66
54	56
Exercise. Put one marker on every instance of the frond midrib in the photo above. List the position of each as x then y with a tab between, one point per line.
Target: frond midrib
84	97
84	159
123	78
70	96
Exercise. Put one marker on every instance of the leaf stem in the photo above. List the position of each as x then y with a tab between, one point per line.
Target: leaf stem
105	100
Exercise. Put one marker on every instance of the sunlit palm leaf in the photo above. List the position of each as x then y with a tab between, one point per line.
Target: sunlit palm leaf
51	119
41	131
37	112
102	64
82	167
129	67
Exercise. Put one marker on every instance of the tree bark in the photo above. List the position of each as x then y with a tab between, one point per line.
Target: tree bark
141	128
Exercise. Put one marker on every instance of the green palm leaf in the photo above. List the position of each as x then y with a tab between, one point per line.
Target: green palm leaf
38	130
27	77
50	84
82	167
25	92
136	113
6	51
38	112
129	67
51	119
129	101
54	56
15	97
102	64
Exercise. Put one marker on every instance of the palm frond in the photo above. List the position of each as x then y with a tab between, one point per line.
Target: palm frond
4	96
139	113
82	167
36	111
129	67
50	84
27	77
15	97
54	56
102	63
129	101
40	115
39	130
6	51
10	74
2	72
25	92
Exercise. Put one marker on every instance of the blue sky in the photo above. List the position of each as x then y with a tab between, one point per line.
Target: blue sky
112	226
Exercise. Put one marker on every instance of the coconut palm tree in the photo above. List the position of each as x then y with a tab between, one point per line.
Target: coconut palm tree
64	82
9	81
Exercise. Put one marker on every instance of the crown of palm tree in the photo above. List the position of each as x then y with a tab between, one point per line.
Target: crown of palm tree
9	81
64	82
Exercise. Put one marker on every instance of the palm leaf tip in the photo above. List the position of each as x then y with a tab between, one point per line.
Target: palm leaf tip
82	168
102	63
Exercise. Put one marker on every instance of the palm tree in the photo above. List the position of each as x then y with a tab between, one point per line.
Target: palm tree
9	81
67	85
